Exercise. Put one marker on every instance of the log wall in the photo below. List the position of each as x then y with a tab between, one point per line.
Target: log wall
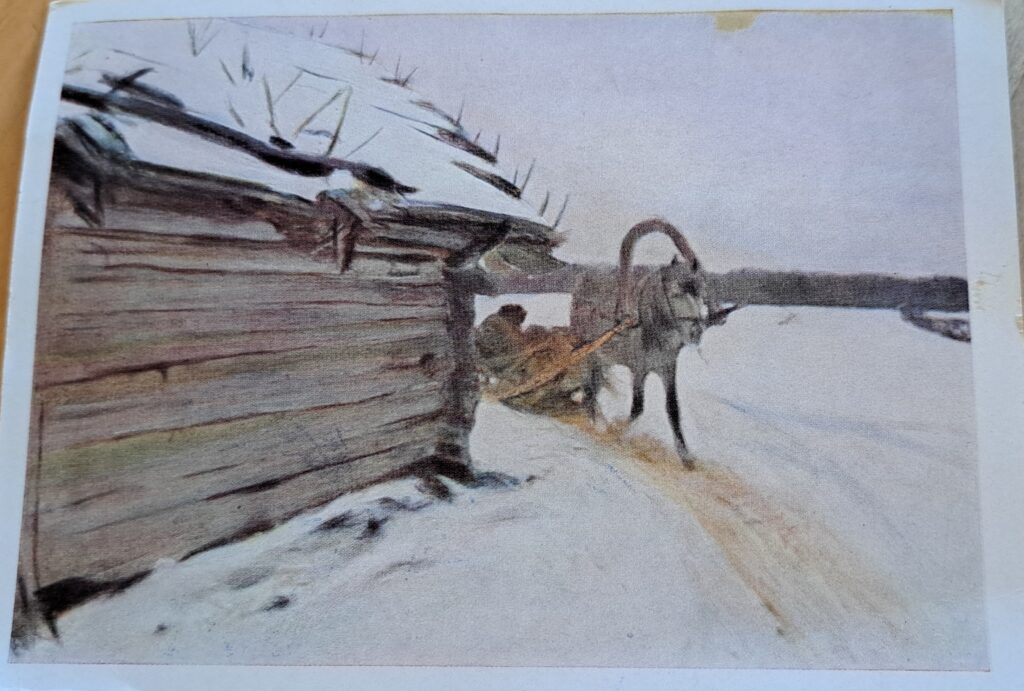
192	389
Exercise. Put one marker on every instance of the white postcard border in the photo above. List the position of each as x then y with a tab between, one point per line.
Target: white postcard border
998	352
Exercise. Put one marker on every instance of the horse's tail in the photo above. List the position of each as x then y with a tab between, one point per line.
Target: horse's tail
625	296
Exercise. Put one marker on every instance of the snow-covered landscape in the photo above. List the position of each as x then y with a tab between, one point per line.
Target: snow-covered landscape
254	431
831	523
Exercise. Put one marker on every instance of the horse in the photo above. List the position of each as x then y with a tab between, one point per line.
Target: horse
668	308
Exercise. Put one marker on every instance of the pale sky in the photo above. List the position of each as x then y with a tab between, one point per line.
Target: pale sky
823	141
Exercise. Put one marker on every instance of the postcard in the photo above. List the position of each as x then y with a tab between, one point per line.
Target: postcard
515	347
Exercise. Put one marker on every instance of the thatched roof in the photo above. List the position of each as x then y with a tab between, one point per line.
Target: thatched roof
291	115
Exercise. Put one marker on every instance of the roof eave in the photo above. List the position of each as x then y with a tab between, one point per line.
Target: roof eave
92	175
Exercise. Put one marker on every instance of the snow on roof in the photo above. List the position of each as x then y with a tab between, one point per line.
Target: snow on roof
297	94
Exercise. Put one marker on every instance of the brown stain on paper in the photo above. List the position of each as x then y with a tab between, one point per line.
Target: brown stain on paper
740	20
734	21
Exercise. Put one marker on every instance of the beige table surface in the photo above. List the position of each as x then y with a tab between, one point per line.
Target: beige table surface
21	24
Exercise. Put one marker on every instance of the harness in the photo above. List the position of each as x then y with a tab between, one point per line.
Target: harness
625	295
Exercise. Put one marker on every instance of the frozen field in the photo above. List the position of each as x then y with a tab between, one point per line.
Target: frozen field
832	522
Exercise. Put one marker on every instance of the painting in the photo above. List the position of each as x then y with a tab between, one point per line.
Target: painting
629	340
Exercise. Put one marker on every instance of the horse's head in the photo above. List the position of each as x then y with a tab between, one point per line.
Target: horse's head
683	303
685	289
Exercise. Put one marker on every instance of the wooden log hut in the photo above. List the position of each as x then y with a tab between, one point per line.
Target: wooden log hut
236	323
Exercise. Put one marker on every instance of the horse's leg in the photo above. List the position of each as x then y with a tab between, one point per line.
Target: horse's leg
637	407
668	377
590	390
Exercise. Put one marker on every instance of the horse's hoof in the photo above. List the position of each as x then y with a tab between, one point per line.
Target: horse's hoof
688	461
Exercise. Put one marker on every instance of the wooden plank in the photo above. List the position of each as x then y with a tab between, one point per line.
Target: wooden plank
393	265
61	214
559	281
84	487
461	385
116	246
486	228
78	249
81	332
452	240
66	358
188	248
124	405
334	358
145	286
